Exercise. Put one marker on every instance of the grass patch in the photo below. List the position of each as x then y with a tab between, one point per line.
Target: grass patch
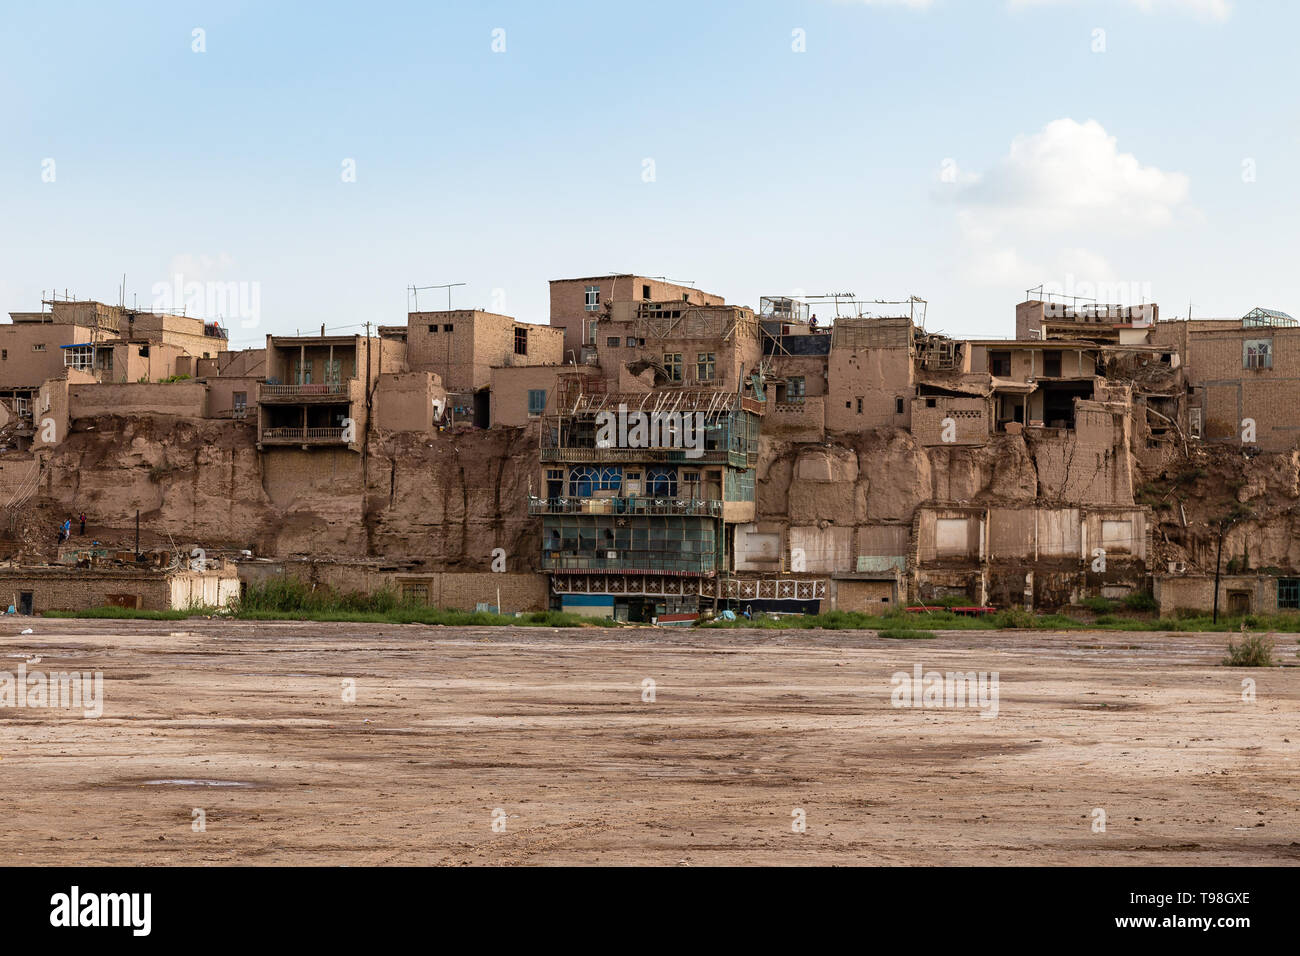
1255	650
129	612
423	614
906	634
1140	601
289	599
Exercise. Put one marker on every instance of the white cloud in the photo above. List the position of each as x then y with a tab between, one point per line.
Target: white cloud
1071	175
1056	193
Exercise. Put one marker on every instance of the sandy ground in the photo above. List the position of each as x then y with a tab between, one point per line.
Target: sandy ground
548	731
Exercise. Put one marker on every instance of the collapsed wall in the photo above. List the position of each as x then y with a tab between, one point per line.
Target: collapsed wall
444	500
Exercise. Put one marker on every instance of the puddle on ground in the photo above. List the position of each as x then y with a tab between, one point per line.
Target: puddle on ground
180	782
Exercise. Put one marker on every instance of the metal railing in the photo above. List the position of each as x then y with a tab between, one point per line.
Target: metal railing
630	505
323	389
737	459
303	434
631	562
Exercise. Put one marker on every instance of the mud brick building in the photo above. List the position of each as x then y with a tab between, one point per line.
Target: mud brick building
853	456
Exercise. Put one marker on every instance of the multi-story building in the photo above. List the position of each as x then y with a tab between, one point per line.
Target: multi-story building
114	344
640	524
463	346
579	305
317	388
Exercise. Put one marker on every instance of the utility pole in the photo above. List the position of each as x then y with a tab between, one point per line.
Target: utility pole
1224	524
1218	560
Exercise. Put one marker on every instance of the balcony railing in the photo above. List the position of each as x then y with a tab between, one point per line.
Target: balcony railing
631	505
307	435
631	562
736	459
301	393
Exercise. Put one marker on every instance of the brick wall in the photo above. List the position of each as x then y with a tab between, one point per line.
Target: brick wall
455	590
969	420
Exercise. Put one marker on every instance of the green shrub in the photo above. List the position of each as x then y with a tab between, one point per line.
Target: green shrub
1098	605
1140	601
1255	650
1013	617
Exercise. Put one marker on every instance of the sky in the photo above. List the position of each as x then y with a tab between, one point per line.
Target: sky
285	166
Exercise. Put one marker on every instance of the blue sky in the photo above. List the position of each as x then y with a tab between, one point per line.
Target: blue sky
959	150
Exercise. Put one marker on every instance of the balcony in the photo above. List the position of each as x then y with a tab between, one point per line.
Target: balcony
302	436
713	456
629	562
634	505
325	392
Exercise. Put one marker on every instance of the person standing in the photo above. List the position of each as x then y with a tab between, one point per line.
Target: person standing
83	524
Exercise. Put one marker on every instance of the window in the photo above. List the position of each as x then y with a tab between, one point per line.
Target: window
521	341
301	372
333	371
415	592
536	401
898	406
4	354
592	301
704	366
859	406
1000	364
796	389
1194	422
1052	364
591	332
673	366
691	484
239	400
686	297
38	347
585	480
1257	353
449	327
631	342
931	402
433	326
79	357
661	483
143	351
613	341
645	292
1288	593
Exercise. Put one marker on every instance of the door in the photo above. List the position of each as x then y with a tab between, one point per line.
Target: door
25	602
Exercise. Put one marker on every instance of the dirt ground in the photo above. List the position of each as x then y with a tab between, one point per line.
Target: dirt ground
457	732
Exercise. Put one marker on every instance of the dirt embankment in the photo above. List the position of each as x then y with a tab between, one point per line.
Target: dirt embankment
447	499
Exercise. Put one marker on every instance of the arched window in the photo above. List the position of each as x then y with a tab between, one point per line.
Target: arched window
661	482
582	480
585	480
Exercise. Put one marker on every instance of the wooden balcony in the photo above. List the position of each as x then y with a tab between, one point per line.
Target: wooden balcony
323	393
302	436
